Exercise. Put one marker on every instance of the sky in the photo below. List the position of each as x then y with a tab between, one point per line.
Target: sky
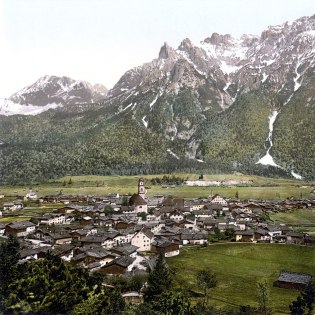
99	40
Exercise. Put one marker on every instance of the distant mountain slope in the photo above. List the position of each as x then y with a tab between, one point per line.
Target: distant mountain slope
51	92
221	105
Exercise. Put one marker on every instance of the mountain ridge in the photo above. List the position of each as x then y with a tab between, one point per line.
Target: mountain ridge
223	104
50	92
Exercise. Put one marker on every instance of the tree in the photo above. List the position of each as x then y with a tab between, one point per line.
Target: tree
143	215
124	201
263	297
106	302
159	280
305	302
108	210
9	257
49	286
172	303
206	280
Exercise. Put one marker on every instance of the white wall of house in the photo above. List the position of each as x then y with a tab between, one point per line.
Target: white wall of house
142	208
142	241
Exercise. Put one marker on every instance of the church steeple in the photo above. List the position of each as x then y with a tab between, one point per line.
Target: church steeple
141	188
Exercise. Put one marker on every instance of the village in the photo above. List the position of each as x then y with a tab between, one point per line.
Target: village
121	235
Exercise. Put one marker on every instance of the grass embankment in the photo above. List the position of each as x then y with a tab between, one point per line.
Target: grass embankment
260	188
239	267
29	212
300	220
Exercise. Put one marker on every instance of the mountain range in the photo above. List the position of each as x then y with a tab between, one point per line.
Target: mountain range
51	92
221	105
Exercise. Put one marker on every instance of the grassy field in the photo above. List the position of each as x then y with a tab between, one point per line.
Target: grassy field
302	219
239	267
261	187
29	212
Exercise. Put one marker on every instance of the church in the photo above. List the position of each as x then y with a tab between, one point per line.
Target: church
137	202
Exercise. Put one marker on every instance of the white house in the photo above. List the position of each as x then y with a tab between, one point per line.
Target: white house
52	218
31	195
217	199
20	228
143	239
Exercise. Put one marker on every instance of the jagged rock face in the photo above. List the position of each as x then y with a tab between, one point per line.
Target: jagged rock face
217	71
59	90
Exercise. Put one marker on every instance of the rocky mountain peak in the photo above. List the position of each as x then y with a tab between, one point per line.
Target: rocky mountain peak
59	90
185	45
166	52
217	39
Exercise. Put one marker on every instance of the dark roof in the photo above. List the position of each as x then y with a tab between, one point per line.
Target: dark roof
294	277
136	200
123	261
20	225
261	232
59	235
125	249
93	265
62	249
147	233
295	234
98	252
162	243
246	232
273	228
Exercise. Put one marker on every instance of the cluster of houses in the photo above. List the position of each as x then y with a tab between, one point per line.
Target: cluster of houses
116	243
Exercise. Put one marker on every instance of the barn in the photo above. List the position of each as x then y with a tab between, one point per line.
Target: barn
292	280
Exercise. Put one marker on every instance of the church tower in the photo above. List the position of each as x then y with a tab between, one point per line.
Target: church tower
141	188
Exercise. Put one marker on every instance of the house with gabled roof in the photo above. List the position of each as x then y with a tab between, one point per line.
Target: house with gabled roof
217	199
106	240
58	238
295	238
166	247
20	228
245	236
87	255
9	206
125	250
52	218
261	235
64	251
190	237
176	216
143	239
292	280
274	231
118	266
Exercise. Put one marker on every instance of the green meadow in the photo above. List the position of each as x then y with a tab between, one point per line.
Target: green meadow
300	220
239	267
260	188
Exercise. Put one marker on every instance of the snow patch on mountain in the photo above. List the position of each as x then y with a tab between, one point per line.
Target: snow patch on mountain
9	108
145	123
296	176
268	159
172	154
154	101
